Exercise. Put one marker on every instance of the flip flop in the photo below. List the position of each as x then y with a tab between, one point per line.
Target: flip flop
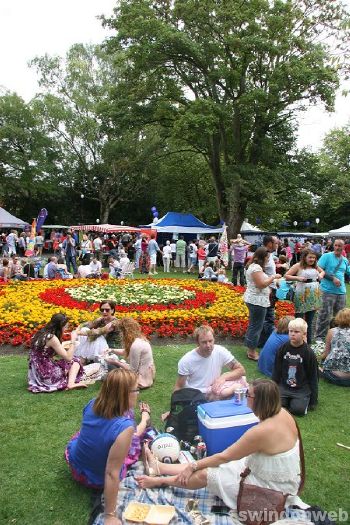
252	358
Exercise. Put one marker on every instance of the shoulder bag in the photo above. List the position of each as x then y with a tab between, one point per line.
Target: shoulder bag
262	506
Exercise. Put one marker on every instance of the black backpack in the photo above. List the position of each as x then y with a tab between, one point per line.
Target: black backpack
183	413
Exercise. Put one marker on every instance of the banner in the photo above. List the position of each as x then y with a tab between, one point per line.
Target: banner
223	246
41	219
31	243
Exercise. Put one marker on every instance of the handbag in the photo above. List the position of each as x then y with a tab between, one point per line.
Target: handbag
262	506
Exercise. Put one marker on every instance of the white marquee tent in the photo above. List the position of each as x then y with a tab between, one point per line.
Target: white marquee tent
344	231
10	221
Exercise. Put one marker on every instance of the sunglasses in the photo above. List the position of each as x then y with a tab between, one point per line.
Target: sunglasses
105	309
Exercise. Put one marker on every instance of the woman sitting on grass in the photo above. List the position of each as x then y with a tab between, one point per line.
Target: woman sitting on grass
270	450
137	351
46	373
98	453
336	365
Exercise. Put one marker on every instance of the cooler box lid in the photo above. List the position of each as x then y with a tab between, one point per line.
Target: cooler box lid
226	408
225	414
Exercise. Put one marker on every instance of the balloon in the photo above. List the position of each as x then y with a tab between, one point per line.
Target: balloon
155	214
153	209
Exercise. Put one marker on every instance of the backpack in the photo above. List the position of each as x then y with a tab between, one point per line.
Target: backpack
183	413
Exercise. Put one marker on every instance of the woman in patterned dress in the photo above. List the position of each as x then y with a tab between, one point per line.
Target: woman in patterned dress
307	298
46	373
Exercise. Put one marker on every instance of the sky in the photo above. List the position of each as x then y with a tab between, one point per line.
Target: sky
30	28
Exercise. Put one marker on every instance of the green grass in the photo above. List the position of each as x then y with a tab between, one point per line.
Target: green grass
36	487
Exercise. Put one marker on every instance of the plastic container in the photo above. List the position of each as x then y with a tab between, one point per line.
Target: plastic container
222	423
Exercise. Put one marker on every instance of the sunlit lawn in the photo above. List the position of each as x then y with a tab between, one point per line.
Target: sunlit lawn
36	488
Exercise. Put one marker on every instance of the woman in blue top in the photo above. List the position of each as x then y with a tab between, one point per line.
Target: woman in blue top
97	453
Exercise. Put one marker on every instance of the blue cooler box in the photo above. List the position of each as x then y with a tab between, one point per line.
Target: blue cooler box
222	423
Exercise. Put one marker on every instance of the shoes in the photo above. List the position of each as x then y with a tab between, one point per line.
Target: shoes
155	273
252	357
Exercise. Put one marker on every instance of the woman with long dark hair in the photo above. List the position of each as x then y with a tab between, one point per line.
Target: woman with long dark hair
257	299
46	373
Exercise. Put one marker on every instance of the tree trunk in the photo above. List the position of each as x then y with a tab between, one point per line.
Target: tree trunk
105	210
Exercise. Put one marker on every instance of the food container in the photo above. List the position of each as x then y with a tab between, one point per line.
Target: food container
150	514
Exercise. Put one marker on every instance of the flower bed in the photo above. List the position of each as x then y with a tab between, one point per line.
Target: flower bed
165	307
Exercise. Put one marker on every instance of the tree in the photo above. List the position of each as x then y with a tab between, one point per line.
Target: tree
28	157
227	78
334	178
105	163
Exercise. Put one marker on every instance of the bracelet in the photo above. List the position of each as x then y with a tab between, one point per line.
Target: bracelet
110	514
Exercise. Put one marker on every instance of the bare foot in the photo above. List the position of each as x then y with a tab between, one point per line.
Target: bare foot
147	482
150	462
164	416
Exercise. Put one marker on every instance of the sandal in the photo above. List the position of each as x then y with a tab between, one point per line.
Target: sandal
150	470
252	358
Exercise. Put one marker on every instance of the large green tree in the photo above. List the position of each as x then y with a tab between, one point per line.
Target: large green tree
227	78
103	162
29	159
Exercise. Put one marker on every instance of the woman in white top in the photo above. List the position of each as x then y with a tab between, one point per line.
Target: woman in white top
86	249
166	257
257	299
308	296
269	449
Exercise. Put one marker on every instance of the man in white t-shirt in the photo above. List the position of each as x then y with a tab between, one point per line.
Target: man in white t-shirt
95	268
201	368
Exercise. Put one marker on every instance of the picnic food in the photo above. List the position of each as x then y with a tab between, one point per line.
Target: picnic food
137	511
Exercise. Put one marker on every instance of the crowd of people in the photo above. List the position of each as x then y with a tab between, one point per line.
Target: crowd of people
110	440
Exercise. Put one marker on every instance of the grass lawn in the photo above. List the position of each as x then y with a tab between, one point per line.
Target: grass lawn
36	487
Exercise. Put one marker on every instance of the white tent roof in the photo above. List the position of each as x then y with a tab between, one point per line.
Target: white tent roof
10	221
342	232
246	227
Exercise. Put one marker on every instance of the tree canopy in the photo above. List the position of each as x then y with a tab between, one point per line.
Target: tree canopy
227	78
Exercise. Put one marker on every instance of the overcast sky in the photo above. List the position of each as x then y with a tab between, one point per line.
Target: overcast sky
29	28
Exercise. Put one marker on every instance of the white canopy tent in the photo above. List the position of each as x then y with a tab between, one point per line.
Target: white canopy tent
10	221
344	231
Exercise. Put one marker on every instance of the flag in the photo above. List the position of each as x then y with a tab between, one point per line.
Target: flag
41	219
223	246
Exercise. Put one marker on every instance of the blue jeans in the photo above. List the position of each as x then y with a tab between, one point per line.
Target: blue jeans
257	316
336	380
309	318
331	305
71	259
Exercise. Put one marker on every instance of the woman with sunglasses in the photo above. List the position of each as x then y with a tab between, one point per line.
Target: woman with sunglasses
92	343
97	454
269	449
47	373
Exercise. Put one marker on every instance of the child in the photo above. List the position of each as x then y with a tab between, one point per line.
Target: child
278	338
296	372
222	276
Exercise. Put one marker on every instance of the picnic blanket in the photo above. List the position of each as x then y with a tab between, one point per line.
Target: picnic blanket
178	497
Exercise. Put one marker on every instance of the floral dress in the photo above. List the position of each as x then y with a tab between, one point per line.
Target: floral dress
47	374
339	357
308	296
